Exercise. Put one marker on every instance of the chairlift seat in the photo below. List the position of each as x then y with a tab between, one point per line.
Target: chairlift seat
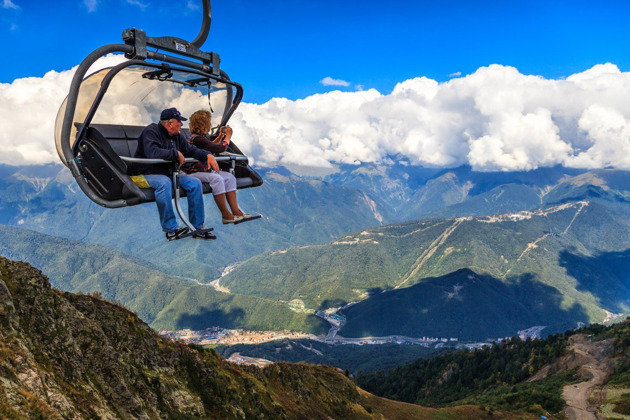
106	145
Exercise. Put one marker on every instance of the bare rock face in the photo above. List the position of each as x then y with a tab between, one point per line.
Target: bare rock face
75	356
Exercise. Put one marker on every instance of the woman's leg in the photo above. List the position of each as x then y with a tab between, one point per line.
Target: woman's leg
218	191
225	213
231	199
230	192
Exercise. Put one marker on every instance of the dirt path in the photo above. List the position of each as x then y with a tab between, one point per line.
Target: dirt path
584	398
428	253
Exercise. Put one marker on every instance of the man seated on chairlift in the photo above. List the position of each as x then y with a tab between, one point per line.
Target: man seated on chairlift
164	140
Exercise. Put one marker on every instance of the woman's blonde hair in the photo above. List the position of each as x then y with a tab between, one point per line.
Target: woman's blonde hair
200	122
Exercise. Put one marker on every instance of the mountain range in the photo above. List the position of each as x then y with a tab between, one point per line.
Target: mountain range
470	277
547	245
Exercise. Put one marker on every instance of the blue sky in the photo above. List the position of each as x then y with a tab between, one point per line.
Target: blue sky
498	85
285	48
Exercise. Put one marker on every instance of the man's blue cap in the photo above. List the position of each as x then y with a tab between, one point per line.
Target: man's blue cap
170	114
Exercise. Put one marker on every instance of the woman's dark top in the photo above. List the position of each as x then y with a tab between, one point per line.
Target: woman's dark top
203	142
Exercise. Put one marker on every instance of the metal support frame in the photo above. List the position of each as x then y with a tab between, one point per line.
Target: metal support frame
140	42
177	199
175	179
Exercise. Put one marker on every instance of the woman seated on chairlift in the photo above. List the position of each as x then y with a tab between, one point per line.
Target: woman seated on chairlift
223	183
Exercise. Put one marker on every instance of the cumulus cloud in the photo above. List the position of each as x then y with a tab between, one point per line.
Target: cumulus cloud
329	81
28	112
493	119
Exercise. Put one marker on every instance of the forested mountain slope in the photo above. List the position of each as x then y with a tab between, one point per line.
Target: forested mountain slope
587	368
162	300
562	264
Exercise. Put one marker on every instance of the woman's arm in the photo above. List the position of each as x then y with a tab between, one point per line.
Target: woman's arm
204	142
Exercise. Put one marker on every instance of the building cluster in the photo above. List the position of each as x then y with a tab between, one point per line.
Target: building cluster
217	335
334	319
424	341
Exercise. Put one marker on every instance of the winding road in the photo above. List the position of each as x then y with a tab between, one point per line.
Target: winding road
591	357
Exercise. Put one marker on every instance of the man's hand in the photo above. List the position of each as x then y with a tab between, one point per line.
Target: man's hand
181	158
212	163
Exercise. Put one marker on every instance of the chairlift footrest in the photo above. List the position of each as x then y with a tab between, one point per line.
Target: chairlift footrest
254	217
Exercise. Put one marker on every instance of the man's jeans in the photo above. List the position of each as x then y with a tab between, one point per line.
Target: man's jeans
164	200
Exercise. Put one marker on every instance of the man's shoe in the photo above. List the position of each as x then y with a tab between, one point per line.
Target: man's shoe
177	233
205	235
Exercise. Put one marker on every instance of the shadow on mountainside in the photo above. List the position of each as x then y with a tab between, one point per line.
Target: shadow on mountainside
605	276
233	318
463	305
332	303
254	317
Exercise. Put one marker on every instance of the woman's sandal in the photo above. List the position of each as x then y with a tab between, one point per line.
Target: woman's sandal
246	218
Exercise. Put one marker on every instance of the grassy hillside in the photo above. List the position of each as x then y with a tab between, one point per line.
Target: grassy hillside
162	300
534	245
70	356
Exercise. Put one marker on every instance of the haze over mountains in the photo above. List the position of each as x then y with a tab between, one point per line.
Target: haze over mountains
551	255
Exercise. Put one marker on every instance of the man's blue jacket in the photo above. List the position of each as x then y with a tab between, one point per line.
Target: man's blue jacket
156	143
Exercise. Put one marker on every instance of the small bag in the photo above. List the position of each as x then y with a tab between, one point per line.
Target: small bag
140	181
191	168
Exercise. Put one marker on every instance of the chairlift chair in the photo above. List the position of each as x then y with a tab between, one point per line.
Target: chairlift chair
99	122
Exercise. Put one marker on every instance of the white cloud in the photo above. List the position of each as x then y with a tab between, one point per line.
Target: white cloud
90	5
28	110
493	119
8	4
329	81
138	3
609	132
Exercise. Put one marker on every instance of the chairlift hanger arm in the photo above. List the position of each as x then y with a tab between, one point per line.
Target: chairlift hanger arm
205	25
140	41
